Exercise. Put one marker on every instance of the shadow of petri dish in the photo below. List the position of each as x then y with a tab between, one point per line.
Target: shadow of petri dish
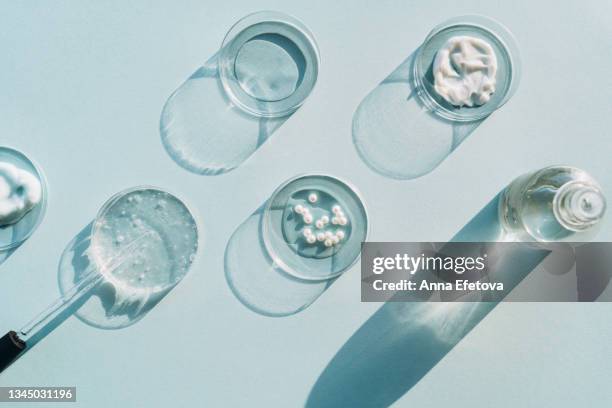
97	308
396	347
266	68
257	282
271	267
13	235
403	129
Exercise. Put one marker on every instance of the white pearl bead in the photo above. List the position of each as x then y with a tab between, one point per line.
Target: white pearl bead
328	243
335	220
298	209
311	239
340	234
308	218
313	198
307	232
343	221
320	237
325	219
336	209
328	234
319	224
335	239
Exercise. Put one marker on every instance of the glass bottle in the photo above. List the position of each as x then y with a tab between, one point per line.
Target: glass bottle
557	203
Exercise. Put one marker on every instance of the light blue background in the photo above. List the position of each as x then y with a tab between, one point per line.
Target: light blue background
82	85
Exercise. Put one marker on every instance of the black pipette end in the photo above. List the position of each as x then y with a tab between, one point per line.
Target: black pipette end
11	346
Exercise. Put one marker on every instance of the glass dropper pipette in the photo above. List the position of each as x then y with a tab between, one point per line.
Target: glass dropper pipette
13	344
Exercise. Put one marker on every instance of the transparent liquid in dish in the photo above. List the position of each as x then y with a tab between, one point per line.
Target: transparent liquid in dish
165	254
268	64
269	67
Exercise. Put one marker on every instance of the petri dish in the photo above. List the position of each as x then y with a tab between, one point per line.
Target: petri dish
143	242
13	235
299	205
268	64
161	259
508	71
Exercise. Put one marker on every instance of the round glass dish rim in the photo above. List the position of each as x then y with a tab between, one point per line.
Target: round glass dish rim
45	193
265	230
259	17
478	21
111	200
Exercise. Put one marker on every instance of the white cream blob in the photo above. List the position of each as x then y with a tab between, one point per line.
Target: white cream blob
464	71
20	191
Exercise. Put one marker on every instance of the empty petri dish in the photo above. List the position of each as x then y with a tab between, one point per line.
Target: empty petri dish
313	226
161	259
14	233
506	52
268	64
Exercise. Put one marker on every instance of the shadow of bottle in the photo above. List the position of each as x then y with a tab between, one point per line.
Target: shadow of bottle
204	132
397	136
402	341
258	282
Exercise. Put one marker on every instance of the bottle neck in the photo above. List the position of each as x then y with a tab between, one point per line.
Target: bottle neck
579	206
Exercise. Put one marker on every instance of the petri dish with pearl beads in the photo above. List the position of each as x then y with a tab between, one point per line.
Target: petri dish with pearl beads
166	254
313	226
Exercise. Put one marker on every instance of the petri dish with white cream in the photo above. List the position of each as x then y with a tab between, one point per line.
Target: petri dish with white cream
467	68
313	226
23	197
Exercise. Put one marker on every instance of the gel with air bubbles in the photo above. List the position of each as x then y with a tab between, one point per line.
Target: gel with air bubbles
164	257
